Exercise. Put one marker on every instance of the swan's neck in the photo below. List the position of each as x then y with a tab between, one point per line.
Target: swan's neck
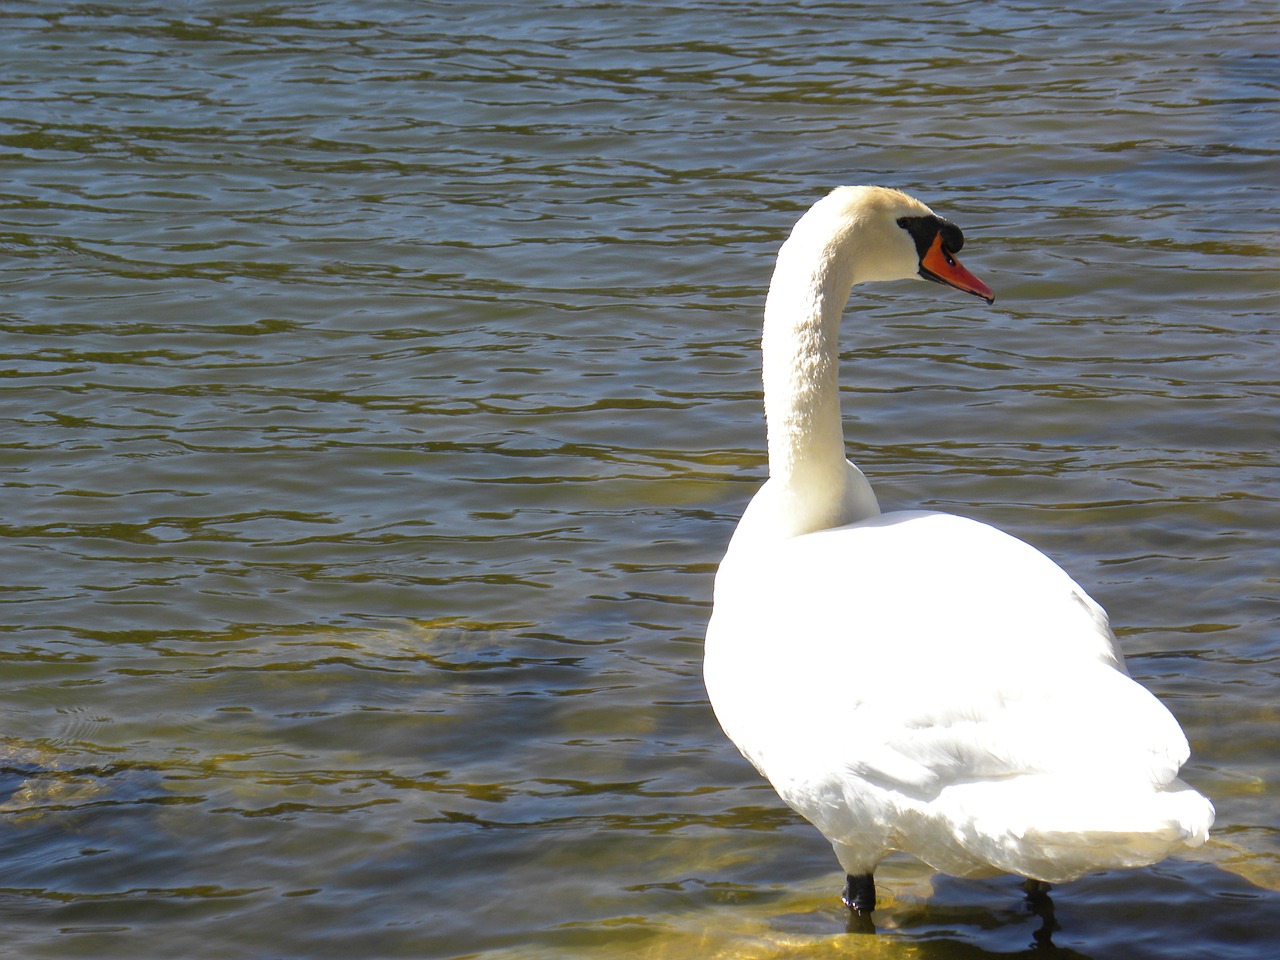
815	486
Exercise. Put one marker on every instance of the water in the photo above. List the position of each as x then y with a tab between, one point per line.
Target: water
381	389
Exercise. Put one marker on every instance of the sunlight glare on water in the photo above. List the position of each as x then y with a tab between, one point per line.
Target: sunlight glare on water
381	389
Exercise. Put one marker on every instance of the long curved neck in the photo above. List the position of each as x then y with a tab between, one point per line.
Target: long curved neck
817	488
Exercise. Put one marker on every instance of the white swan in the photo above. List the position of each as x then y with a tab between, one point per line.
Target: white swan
916	681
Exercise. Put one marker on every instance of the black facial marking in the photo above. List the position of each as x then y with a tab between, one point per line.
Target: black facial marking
924	229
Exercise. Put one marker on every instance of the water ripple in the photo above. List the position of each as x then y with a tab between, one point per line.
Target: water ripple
380	392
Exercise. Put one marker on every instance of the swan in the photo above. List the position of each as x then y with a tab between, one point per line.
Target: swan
915	681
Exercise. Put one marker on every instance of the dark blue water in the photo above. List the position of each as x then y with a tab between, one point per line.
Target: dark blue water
381	387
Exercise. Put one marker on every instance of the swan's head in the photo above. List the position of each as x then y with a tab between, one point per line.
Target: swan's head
888	235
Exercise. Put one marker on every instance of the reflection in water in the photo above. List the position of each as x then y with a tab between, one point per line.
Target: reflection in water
1037	900
1040	903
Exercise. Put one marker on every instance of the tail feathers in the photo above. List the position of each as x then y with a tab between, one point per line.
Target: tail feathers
1044	829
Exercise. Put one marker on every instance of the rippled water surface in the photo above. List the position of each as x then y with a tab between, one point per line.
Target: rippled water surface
380	389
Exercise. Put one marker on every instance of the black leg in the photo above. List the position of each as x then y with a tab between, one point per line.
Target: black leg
860	893
1035	889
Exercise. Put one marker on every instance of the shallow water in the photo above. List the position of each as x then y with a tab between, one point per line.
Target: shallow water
381	389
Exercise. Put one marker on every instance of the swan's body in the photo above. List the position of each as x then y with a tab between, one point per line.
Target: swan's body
916	681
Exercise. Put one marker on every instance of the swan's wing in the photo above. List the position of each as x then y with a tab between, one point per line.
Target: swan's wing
918	651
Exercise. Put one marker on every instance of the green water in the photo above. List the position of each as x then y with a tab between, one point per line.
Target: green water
381	387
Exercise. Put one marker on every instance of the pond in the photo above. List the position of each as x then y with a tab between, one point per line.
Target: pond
381	390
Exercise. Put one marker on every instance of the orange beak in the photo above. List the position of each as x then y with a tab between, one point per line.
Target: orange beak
941	266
